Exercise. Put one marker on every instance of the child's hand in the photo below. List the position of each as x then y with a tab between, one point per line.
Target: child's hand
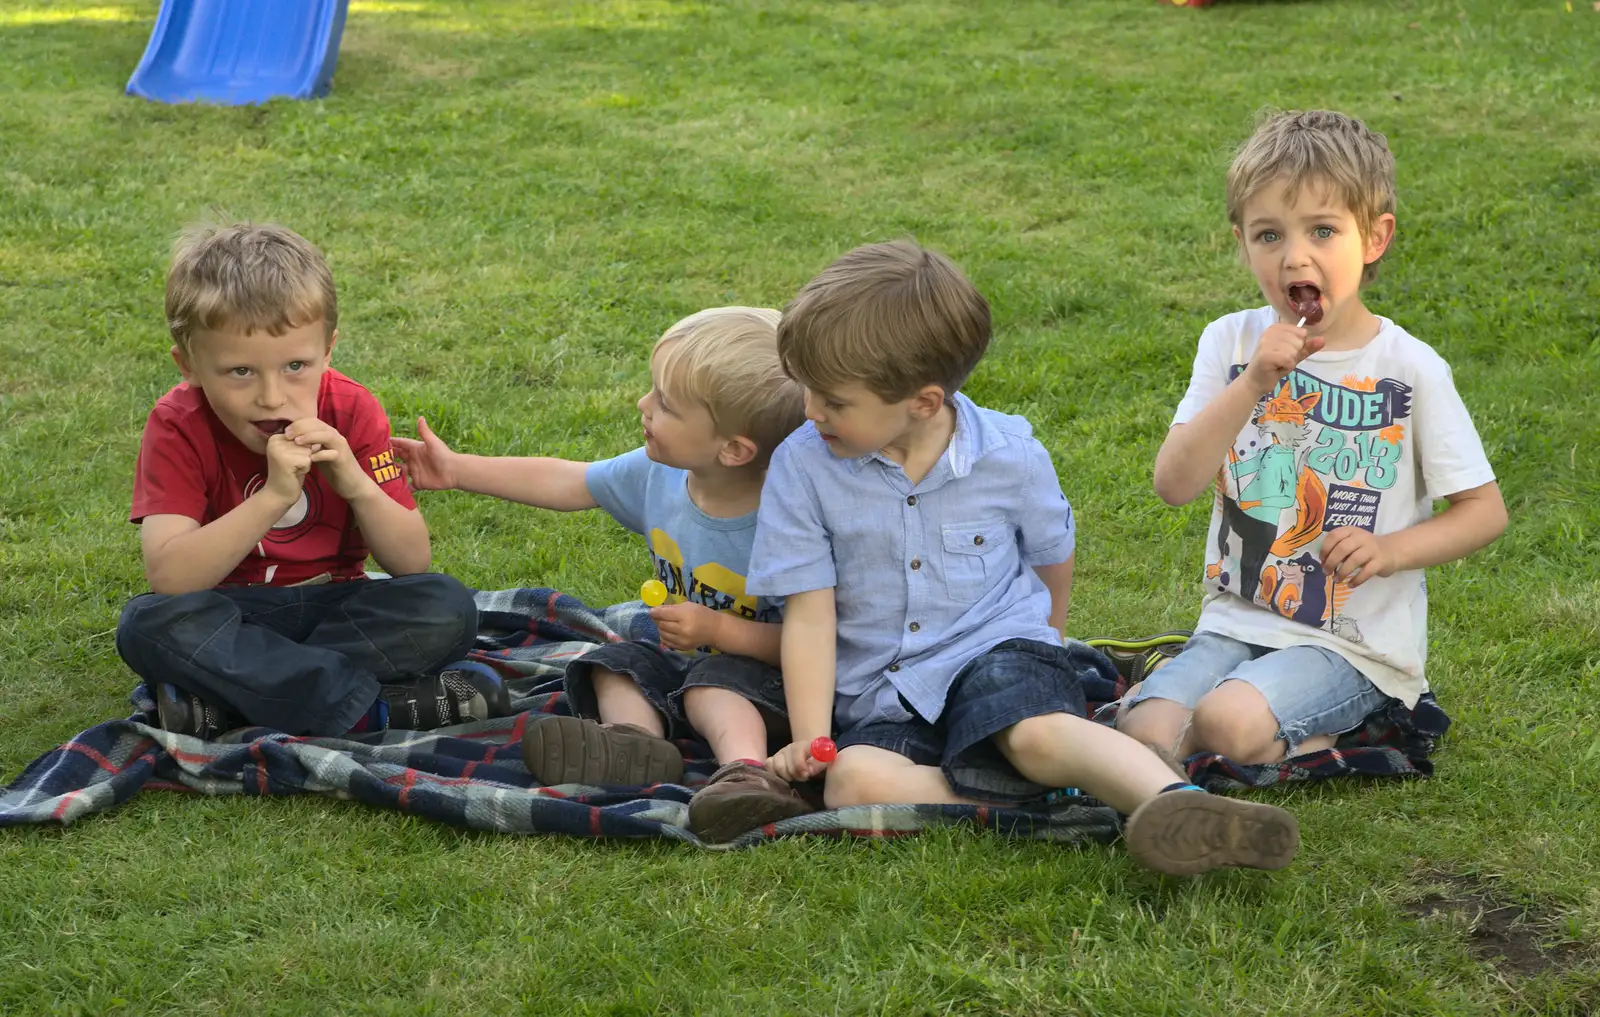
793	762
430	463
1280	351
686	626
332	455
1353	555
287	466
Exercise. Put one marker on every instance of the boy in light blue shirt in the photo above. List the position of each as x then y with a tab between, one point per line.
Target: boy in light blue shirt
925	552
718	404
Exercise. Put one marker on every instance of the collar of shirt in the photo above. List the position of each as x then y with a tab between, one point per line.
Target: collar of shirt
972	439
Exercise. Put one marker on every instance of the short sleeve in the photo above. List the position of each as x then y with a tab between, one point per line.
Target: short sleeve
620	486
1210	373
169	478
1046	531
1449	451
367	432
793	550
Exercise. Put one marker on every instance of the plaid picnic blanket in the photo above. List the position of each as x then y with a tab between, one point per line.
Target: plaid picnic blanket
472	775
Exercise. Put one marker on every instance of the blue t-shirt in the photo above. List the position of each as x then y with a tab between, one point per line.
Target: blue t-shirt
926	576
699	558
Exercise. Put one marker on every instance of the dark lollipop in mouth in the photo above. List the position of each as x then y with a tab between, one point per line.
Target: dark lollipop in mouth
1306	300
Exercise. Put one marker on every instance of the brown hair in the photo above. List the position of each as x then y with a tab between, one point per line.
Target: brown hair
726	359
1318	148
252	276
893	317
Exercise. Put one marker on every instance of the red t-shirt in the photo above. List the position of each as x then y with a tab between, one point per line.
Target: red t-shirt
190	465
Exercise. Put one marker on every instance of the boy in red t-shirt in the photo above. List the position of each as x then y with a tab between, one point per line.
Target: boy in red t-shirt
263	482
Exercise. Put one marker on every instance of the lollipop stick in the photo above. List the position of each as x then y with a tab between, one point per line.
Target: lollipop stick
1300	324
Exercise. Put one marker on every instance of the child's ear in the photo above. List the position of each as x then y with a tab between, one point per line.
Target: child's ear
1378	238
332	338
926	401
182	360
736	452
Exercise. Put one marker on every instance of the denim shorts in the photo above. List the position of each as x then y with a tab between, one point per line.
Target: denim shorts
1311	690
1018	679
664	676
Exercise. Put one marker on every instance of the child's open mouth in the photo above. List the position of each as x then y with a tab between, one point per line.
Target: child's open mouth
1306	301
270	427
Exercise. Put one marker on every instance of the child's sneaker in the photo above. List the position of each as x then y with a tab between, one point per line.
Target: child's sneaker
185	713
571	750
1186	831
463	691
740	798
1136	658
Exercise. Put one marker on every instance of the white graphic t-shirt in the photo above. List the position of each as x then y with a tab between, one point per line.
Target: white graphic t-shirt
1367	438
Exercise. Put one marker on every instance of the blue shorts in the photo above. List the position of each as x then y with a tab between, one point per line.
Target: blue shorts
1018	679
1311	690
664	676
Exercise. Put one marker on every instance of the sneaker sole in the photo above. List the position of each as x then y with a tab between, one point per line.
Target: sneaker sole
1145	654
1144	643
718	819
1183	833
570	750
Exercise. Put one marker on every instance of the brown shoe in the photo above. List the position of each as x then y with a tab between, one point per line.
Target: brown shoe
571	750
741	798
1181	833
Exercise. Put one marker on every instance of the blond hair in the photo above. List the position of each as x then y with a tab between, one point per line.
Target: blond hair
1340	154
250	276
726	359
893	317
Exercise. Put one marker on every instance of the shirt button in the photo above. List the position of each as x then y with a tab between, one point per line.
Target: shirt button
978	539
916	563
914	627
894	667
911	499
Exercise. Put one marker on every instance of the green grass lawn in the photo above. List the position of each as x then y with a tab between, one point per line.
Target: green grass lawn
518	196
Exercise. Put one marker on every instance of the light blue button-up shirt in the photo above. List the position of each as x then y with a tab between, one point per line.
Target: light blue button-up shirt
926	576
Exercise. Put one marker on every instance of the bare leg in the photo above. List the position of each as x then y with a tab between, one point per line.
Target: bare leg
1160	722
621	702
1234	719
867	775
1061	750
728	721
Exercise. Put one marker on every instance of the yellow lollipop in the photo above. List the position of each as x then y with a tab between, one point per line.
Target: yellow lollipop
653	593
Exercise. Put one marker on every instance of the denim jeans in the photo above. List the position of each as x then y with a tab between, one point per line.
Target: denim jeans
1311	690
305	660
1014	681
664	677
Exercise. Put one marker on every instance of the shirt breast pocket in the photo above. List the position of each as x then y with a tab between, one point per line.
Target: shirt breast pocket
971	559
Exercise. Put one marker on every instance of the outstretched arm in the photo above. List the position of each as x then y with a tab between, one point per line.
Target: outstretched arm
541	481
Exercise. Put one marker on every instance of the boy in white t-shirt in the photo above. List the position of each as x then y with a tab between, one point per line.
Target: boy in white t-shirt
1328	432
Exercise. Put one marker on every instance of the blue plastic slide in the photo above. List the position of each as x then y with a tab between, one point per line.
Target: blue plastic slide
239	52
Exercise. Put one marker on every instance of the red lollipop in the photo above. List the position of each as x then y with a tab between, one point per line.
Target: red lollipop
823	750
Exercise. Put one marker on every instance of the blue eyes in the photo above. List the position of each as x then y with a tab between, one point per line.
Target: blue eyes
1273	236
